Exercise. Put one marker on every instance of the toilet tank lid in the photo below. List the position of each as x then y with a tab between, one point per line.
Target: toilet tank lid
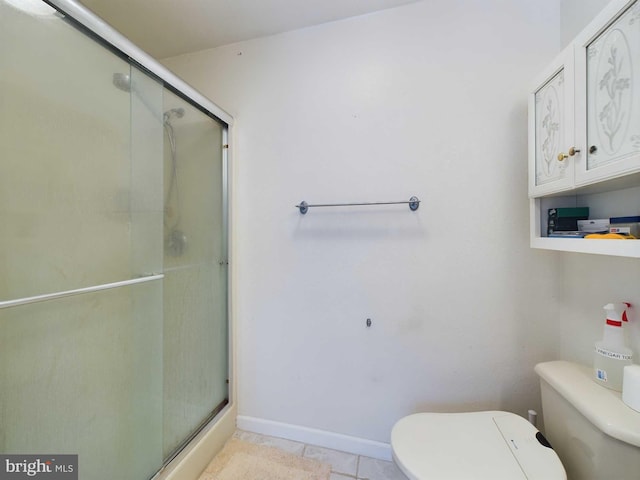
601	406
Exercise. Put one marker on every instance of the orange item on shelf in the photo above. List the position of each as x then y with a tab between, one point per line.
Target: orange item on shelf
609	236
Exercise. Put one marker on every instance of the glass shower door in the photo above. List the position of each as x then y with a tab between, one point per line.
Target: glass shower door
113	256
195	285
80	339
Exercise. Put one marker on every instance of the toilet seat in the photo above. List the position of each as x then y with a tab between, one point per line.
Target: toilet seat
472	446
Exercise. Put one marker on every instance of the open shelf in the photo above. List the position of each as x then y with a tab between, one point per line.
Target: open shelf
620	248
602	204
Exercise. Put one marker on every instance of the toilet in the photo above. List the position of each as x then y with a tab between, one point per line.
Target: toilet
489	445
594	433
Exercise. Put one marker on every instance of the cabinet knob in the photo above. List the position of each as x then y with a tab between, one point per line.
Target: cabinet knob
572	152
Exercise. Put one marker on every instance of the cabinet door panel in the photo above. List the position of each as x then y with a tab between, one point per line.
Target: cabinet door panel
610	71
551	128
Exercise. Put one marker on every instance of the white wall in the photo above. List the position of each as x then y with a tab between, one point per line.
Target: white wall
589	282
576	14
429	100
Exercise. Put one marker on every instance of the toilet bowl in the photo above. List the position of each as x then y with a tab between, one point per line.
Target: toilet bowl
490	445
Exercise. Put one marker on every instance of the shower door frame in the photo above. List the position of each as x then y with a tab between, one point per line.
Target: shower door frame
188	460
100	29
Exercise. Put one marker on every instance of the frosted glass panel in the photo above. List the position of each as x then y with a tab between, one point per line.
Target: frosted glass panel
65	144
106	176
195	350
192	185
146	174
195	294
549	133
613	70
82	375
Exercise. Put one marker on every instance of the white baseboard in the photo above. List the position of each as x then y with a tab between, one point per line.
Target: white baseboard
321	438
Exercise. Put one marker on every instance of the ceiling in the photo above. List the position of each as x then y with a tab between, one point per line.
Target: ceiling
164	28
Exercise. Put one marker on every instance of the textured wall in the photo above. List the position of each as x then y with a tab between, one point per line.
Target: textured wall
576	14
429	100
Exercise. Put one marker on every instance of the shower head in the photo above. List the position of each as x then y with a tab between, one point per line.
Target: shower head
122	81
174	112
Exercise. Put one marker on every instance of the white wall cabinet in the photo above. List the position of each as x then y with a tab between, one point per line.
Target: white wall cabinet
551	127
584	130
607	92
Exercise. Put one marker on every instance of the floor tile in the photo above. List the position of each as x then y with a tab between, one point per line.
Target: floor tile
337	476
374	469
295	448
341	462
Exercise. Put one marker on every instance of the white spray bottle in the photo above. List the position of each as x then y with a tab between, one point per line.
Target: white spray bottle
611	354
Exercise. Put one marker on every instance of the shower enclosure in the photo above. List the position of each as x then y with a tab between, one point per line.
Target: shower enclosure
113	260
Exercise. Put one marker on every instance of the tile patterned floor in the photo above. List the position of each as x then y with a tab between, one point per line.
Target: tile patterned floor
344	466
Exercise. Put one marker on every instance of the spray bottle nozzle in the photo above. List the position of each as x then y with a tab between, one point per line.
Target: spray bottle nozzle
613	317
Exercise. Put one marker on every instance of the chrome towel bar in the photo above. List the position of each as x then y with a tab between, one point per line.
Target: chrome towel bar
414	203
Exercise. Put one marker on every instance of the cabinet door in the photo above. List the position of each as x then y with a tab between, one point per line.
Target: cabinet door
608	94
551	128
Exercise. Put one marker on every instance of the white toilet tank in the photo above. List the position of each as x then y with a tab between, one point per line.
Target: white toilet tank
595	434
